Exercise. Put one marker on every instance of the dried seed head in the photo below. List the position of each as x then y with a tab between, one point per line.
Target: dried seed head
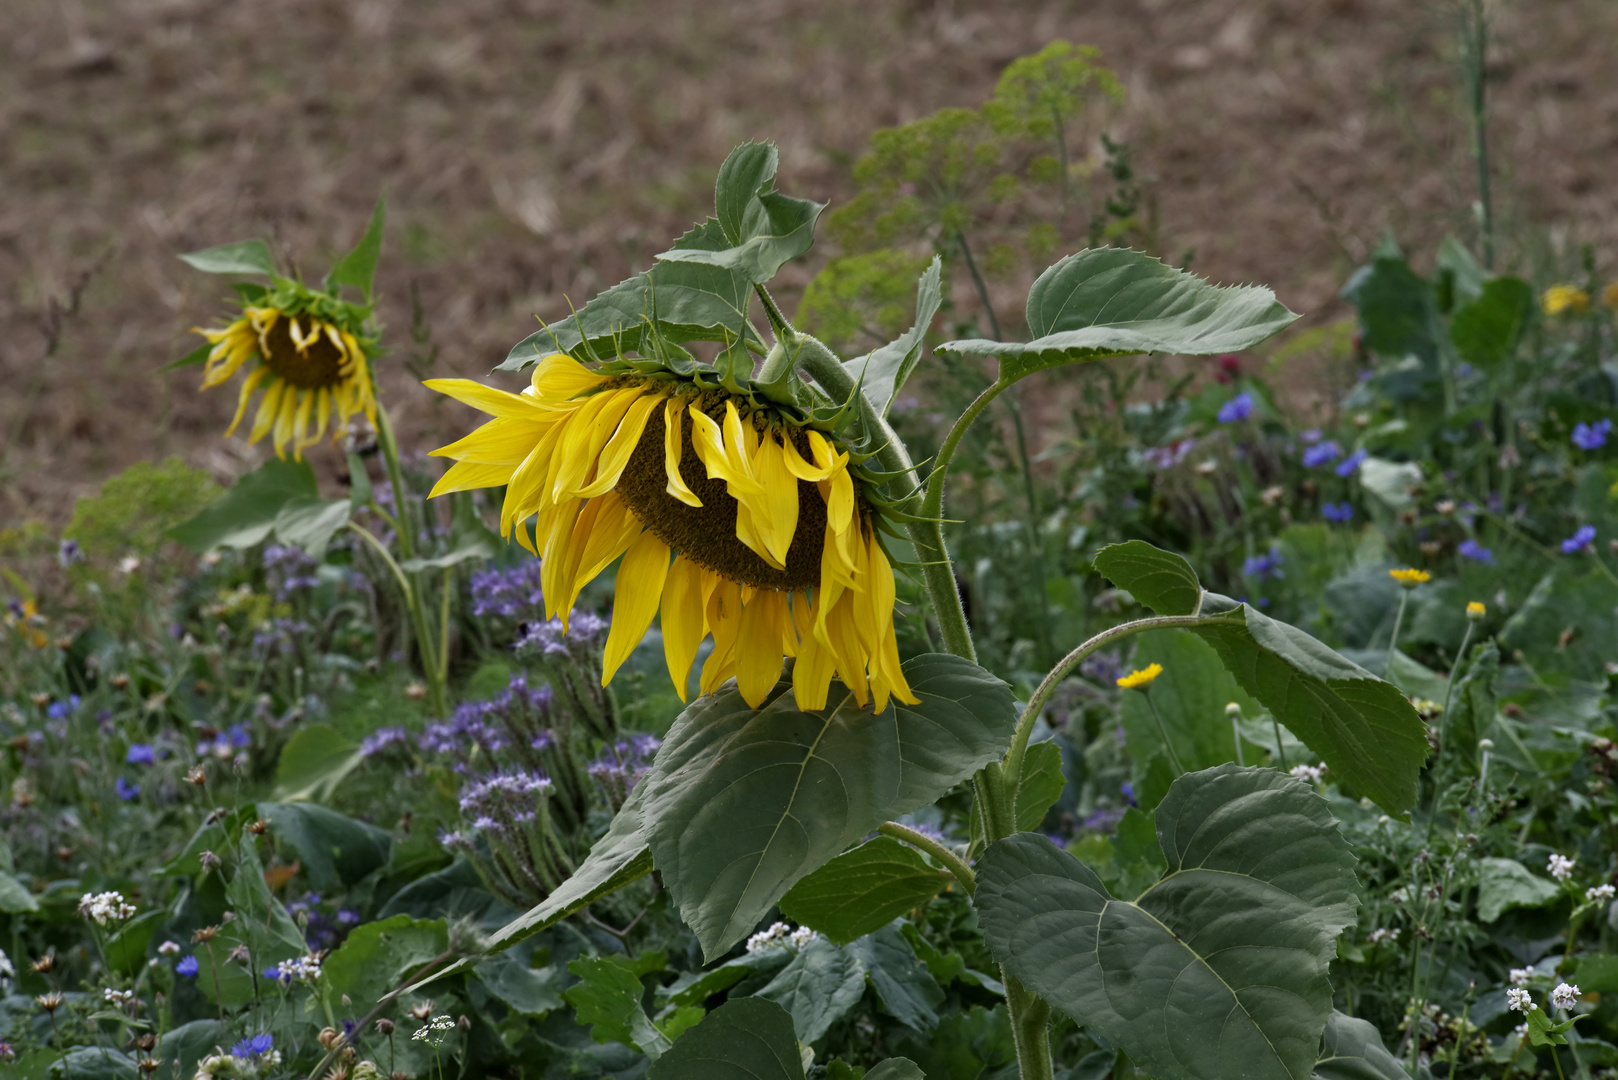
257	828
205	935
384	1026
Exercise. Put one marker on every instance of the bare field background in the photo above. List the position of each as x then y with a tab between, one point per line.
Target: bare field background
535	150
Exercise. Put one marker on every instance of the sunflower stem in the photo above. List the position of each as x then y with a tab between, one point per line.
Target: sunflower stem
922	842
431	669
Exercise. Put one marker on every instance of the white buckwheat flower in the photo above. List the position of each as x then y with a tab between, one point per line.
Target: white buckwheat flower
1521	976
1517	998
1385	936
105	908
1597	893
1564	996
801	937
1560	867
169	948
1312	774
119	998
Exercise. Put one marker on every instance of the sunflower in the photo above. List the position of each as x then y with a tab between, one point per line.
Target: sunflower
738	519
311	369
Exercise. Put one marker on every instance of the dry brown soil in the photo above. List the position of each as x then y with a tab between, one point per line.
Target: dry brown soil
536	148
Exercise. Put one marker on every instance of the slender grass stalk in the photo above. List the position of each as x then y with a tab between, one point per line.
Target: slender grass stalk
1163	733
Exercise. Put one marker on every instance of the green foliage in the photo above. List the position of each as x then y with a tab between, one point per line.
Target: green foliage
1504	884
314	762
358	267
1352	1050
333	848
608	998
1037	94
380	955
243	257
1040	785
863	889
136	508
750	1039
1219	969
1159	579
860	297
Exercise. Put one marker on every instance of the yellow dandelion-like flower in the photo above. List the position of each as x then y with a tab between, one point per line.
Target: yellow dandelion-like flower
1609	294
1564	300
1137	680
733	519
313	373
1410	578
1475	610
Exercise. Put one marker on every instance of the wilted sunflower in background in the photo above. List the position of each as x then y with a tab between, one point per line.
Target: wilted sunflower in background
773	538
310	364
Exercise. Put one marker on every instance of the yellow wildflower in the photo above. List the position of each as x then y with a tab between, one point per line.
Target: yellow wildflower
1609	295
1565	299
1475	610
1410	578
1139	680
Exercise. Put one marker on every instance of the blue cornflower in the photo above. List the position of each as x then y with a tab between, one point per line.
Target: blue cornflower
1237	408
1264	566
1320	453
258	1044
1342	511
275	974
141	754
1591	436
187	966
126	790
68	553
1471	549
1128	790
60	710
1579	541
1352	462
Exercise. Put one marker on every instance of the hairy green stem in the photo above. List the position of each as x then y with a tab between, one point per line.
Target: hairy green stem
1030	1028
922	842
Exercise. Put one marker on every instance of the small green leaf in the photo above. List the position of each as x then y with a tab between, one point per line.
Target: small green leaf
1487	330
189	1043
1218	971
688	302
864	889
261	924
882	373
335	849
310	523
1105	302
196	356
617	859
527	990
818	987
1471	712
1352	1050
359	483
904	987
741	804
1361	726
1040	786
376	957
126	950
1159	579
246	257
358	267
746	1039
314	761
1395	308
246	514
896	1068
763	229
608	998
1504	884
15	897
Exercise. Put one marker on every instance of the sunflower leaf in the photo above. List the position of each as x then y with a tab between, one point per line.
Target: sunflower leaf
1352	1050
864	889
243	257
1161	580
619	858
748	1037
677	301
884	371
196	356
1105	302
358	267
742	804
1219	969
245	515
763	228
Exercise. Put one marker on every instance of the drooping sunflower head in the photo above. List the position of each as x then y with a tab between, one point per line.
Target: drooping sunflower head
307	353
737	517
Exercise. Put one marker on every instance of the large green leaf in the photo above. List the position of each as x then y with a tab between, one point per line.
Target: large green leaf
245	514
1040	785
1113	302
1159	579
896	1068
818	987
617	859
904	987
15	897
314	761
528	990
1219	969
884	371
261	924
358	267
1504	884
187	1044
747	1039
1395	307
689	301
1361	726
1352	1050
742	804
335	849
763	229
1486	330
376	957
243	257
608	998
864	889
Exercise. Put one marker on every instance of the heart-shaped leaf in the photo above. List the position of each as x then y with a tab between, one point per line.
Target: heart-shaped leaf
619	858
741	804
1113	302
1159	579
688	300
745	1039
1352	1050
764	228
358	267
1218	970
885	370
864	889
1362	727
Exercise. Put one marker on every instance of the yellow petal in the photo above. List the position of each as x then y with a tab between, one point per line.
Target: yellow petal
467	475
635	597
249	384
812	672
612	530
682	620
559	378
615	456
724	617
488	399
758	647
527	493
587	433
504	440
300	422
842	639
267	409
801	468
673	450
555	535
283	422
775	507
709	441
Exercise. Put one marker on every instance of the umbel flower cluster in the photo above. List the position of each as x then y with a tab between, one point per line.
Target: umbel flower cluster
736	518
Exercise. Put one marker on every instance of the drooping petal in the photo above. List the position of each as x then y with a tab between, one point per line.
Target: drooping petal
673	449
683	620
635	599
488	399
758	646
559	378
249	384
615	456
268	408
